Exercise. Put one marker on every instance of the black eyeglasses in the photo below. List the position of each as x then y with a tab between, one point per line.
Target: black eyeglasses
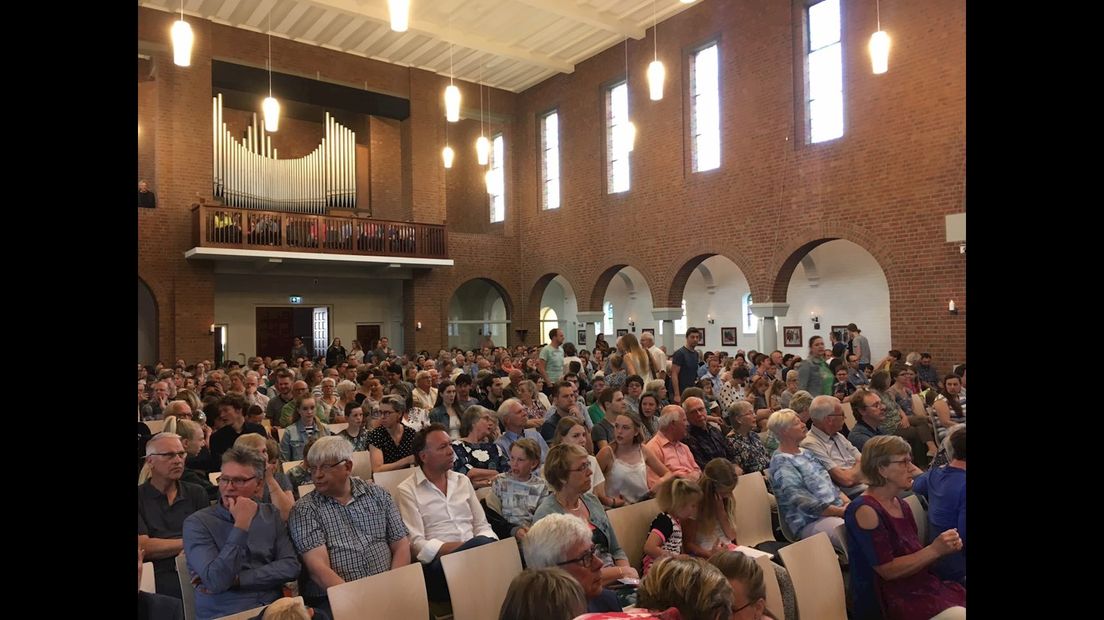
170	455
738	609
323	468
237	482
582	560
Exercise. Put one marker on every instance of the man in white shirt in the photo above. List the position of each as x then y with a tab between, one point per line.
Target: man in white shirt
647	340
824	441
440	508
425	395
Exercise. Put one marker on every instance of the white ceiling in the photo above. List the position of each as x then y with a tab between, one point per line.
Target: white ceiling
513	43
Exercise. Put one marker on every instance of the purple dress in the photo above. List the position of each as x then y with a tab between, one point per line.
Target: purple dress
916	597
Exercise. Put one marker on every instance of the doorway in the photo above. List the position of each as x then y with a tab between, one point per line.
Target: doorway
368	334
277	327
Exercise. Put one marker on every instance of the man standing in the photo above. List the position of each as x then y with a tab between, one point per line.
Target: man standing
347	528
684	366
705	442
835	453
231	412
860	345
164	502
668	447
551	361
146	198
440	508
238	550
647	340
383	349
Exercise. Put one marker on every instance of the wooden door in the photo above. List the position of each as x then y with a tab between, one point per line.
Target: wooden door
368	334
275	331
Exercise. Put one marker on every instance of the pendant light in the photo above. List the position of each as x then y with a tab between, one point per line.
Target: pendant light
400	14
482	145
630	128
879	46
270	106
452	93
448	155
656	72
182	39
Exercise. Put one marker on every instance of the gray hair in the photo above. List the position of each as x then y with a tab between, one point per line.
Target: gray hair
948	447
529	385
472	415
504	408
171	408
423	374
397	402
550	538
822	407
330	449
345	387
792	375
739	408
670	415
162	437
247	457
801	400
780	420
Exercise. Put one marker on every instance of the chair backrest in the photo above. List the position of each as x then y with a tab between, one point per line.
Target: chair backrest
918	405
493	502
213	477
751	504
818	583
630	525
398	593
246	615
149	581
156	426
338	427
920	516
390	480
484	493
848	415
362	464
774	591
841	534
288	465
280	433
187	590
475	594
304	489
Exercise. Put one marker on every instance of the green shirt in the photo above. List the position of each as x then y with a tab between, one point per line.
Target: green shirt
553	363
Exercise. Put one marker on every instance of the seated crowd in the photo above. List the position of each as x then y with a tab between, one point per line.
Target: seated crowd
538	443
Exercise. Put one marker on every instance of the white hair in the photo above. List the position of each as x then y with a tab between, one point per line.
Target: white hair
150	449
345	387
780	420
330	449
947	447
670	415
822	407
504	408
550	538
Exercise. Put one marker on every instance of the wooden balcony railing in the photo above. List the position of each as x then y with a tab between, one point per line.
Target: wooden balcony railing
227	227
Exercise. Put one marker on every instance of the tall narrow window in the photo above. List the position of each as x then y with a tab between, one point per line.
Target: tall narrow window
751	325
825	71
607	325
705	102
550	160
617	138
680	324
497	189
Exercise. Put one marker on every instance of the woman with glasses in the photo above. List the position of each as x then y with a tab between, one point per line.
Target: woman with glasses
329	401
567	471
477	455
749	591
891	569
392	442
534	412
625	463
304	425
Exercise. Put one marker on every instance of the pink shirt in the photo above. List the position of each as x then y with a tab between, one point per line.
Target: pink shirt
674	454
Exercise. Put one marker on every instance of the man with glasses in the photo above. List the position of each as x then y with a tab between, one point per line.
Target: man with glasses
824	442
564	541
239	553
440	508
252	395
347	528
164	502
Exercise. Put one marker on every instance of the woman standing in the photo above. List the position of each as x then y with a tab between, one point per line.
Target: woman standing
637	360
356	354
625	463
336	354
813	375
447	412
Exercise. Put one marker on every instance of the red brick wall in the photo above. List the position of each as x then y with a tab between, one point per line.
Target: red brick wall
386	173
147	132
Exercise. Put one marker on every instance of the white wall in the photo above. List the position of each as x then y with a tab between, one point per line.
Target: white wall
559	296
722	302
351	301
633	299
851	288
476	300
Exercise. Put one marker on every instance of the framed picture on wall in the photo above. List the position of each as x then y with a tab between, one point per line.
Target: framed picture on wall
582	337
701	336
650	330
791	336
622	332
728	336
841	333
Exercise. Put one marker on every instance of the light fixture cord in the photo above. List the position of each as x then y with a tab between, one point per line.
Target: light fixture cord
481	98
270	53
878	8
181	10
451	70
655	33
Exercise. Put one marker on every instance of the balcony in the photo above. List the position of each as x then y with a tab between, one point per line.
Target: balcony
230	233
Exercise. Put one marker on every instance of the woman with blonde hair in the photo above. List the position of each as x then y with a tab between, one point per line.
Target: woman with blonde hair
625	463
637	360
749	591
678	500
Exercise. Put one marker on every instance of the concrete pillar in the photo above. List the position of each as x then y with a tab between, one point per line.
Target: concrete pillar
768	331
588	319
668	316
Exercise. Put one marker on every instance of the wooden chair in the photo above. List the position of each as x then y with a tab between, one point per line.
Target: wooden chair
338	427
187	590
213	477
156	426
149	581
474	596
630	525
246	615
818	583
774	591
398	593
304	489
390	480
752	510
920	516
848	415
362	465
291	464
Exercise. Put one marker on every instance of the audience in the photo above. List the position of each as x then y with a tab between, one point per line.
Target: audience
565	541
945	489
546	593
477	455
391	444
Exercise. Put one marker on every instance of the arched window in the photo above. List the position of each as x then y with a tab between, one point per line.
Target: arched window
680	324
548	321
607	325
751	324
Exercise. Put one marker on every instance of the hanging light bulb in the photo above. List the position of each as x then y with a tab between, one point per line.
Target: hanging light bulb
270	106
448	155
656	72
879	46
452	103
630	136
400	14
182	39
483	150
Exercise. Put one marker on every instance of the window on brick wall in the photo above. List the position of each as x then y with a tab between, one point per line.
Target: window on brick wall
550	161
497	189
750	324
607	325
705	109
824	67
617	138
680	324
